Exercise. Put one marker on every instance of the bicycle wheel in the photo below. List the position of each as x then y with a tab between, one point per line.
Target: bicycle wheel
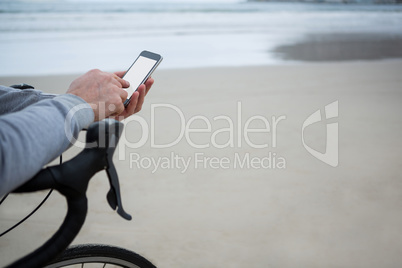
94	255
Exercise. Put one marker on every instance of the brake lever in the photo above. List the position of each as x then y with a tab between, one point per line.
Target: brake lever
113	196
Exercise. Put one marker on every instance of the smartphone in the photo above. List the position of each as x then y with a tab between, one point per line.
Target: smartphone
140	71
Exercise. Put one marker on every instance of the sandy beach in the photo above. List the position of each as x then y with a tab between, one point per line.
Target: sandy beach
300	213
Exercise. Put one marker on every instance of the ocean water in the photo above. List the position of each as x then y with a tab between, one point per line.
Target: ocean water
61	37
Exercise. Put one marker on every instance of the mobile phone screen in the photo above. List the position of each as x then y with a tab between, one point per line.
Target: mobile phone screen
138	72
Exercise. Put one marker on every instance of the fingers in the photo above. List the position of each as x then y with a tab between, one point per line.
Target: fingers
137	98
116	109
120	84
118	97
136	101
123	83
123	95
120	73
148	84
141	91
131	107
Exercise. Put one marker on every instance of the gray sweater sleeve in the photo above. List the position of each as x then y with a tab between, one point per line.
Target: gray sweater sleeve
35	131
12	100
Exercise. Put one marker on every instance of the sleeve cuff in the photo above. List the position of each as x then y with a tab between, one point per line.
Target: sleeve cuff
79	109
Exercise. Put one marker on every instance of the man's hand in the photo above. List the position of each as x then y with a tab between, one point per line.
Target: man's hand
137	99
105	93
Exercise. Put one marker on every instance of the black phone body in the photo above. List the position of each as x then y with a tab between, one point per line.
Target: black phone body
140	71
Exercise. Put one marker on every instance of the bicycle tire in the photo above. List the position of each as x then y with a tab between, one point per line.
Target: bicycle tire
102	254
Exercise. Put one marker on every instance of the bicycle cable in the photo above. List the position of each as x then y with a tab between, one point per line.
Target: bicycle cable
32	212
4	198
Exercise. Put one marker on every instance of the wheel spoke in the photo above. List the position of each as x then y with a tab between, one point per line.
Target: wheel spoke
100	255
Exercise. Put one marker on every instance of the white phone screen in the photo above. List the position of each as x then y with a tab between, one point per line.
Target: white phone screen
137	73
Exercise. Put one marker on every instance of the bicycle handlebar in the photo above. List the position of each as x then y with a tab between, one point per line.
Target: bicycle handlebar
71	179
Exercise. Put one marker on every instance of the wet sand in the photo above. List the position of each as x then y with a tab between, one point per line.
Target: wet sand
343	47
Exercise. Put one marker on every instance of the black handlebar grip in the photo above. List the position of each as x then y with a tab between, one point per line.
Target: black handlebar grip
71	179
75	218
43	180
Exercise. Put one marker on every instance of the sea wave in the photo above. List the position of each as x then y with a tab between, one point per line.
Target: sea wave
7	6
84	35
